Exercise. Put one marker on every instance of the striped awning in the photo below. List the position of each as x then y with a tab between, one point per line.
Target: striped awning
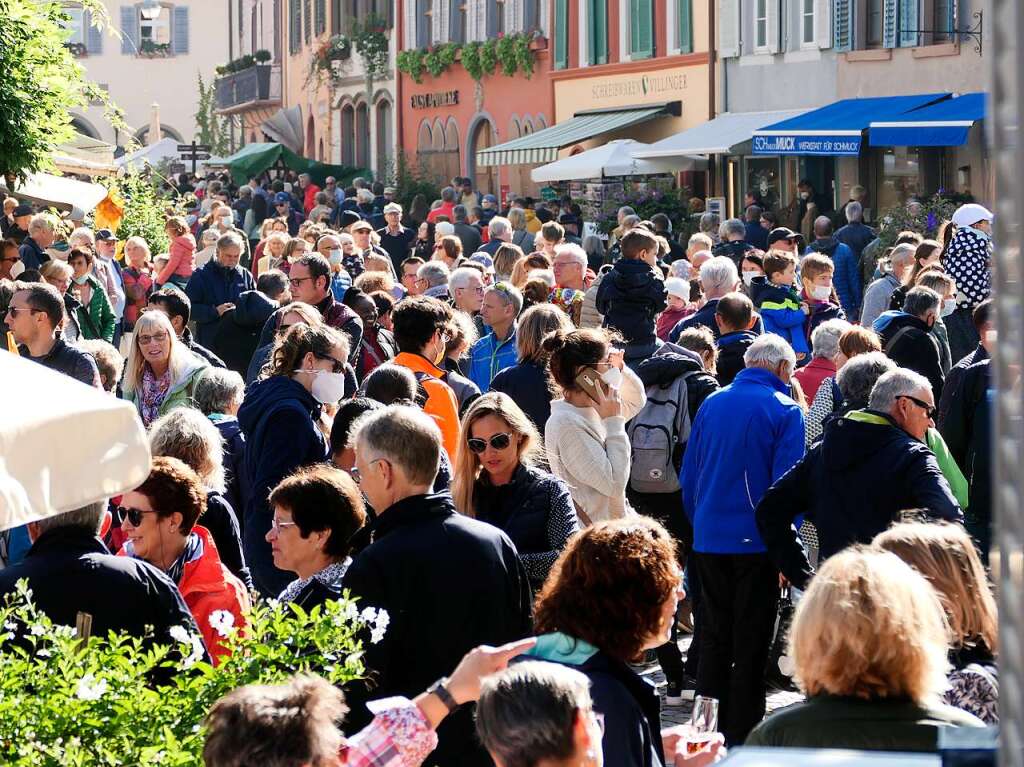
543	146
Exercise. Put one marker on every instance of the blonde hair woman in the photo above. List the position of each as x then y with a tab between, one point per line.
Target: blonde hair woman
496	481
161	372
273	253
521	268
521	236
505	258
945	555
869	643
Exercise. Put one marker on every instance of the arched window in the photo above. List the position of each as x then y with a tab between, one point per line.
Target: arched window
362	136
83	126
424	146
437	161
310	136
320	151
347	137
486	177
384	138
453	165
513	129
142	135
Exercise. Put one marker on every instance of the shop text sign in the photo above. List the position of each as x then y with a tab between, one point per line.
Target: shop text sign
434	100
641	87
820	145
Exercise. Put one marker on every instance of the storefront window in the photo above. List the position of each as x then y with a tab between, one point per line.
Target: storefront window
899	176
763	178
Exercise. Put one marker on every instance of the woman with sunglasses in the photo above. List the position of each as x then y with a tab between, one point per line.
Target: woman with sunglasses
317	510
280	419
158	519
585	436
496	482
161	372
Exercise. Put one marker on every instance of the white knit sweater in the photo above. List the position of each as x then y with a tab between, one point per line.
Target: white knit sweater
592	454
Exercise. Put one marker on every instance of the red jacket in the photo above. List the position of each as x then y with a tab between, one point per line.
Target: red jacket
208	586
446	209
309	197
812	374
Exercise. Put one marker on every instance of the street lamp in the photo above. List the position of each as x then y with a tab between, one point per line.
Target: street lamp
151	10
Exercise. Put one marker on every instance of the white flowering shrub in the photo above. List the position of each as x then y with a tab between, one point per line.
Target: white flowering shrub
117	700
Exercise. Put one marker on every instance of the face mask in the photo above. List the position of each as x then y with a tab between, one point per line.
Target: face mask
748	277
991	336
335	257
613	377
805	195
948	306
226	221
328	386
821	292
81	280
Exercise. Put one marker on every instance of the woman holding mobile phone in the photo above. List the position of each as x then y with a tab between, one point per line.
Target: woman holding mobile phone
585	436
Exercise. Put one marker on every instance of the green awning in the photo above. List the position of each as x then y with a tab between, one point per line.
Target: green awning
543	146
253	159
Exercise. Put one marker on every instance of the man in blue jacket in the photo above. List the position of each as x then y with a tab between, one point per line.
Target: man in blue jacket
744	438
214	289
496	351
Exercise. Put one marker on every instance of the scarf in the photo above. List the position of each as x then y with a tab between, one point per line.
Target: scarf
193	550
154	391
330	576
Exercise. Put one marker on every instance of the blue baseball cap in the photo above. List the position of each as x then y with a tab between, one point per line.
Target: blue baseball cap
282	197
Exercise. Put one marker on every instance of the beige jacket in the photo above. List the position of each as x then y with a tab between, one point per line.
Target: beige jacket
592	454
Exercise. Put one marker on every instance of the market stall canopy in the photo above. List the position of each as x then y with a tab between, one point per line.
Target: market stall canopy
58	191
616	158
945	123
836	129
718	136
285	127
254	159
164	149
80	446
85	155
543	146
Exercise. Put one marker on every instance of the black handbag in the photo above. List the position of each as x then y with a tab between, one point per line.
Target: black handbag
779	669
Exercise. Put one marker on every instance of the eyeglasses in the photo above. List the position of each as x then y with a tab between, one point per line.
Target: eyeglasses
15	311
296	281
338	366
277	526
357	475
147	340
928	409
133	515
497	441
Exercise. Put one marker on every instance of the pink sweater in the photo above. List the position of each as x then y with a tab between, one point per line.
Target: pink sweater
182	258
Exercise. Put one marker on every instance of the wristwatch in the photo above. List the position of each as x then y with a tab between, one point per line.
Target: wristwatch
439	689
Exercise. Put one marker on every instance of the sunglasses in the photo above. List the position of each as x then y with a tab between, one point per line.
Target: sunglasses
921	404
338	367
498	442
15	311
132	515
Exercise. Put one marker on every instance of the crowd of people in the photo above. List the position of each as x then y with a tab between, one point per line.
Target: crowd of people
510	436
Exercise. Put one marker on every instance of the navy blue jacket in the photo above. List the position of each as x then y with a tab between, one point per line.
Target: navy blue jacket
704	316
32	256
527	384
238	335
210	287
237	493
68	360
630	297
852	484
734	250
915	349
731	348
278	419
856	236
756	235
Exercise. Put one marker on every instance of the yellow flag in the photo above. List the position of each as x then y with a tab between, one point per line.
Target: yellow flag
110	212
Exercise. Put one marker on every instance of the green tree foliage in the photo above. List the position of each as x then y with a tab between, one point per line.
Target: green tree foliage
211	128
40	83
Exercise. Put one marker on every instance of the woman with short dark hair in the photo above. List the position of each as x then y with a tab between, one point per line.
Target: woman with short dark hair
317	510
95	315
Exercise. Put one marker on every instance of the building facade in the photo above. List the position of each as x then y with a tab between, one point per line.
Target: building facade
162	49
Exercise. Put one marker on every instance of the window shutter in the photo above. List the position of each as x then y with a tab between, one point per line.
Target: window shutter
179	32
729	28
684	17
436	26
409	25
823	23
774	27
908	22
641	30
890	23
476	20
492	18
513	16
456	30
93	35
561	34
843	26
307	20
321	16
129	29
598	32
950	21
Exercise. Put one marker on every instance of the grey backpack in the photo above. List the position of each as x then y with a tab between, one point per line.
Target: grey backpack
657	435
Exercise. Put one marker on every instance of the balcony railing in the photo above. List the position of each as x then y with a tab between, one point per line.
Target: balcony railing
259	84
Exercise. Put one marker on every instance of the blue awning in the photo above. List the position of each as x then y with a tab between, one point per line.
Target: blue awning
945	123
836	129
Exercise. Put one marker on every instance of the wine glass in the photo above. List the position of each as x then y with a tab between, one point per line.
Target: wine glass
703	724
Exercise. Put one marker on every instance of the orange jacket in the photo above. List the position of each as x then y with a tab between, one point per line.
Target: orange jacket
208	586
442	405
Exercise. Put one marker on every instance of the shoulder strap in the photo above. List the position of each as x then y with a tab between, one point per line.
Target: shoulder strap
896	337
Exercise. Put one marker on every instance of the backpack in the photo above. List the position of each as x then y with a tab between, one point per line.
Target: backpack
975	689
657	435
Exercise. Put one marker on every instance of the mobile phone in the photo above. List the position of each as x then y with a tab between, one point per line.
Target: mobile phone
589	380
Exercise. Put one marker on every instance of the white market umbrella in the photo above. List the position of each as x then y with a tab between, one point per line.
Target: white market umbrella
63	444
613	159
60	191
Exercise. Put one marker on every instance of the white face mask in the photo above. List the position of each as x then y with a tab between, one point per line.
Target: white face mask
948	306
613	377
805	195
821	292
748	277
226	221
335	257
328	386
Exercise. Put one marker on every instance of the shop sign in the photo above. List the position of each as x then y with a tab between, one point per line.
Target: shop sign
664	85
807	145
434	100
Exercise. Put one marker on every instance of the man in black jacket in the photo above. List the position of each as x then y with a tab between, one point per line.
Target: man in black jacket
871	465
735	318
907	340
34	316
69	571
448	582
984	321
